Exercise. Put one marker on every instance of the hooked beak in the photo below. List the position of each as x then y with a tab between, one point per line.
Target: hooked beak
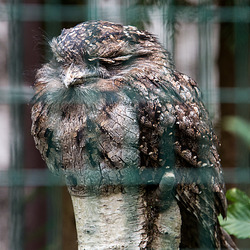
70	74
76	75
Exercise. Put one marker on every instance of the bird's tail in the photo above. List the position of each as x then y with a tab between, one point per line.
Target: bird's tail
226	241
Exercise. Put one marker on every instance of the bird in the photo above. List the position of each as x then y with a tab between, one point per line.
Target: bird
111	99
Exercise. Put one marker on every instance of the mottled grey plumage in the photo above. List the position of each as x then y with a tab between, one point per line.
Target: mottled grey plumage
111	108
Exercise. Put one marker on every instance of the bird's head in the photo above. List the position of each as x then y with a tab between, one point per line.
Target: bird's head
99	49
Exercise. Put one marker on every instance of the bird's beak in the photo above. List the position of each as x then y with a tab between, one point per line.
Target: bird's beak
76	75
69	77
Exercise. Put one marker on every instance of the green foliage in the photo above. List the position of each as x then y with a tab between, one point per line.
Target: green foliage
239	127
237	222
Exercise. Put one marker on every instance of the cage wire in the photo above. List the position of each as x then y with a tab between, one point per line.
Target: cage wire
16	193
163	18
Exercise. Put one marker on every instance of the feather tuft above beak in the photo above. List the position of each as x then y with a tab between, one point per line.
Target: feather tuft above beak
76	75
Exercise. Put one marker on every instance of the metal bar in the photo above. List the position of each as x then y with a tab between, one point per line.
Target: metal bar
39	12
205	58
24	95
242	63
43	177
16	200
53	16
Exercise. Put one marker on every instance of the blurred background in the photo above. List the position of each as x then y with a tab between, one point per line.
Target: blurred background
208	40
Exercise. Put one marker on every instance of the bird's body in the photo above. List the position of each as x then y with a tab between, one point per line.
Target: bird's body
109	101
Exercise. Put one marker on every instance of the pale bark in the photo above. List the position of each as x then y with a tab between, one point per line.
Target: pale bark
116	221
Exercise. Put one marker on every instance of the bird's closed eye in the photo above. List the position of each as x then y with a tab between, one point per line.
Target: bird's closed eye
113	61
79	81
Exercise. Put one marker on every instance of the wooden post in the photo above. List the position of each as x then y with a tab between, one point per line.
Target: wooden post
116	221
